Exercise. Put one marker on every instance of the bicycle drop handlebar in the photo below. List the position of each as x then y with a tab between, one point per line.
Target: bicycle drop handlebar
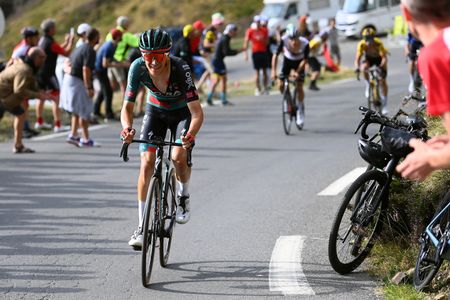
373	117
158	144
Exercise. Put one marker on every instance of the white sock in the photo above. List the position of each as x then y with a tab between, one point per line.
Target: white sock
141	206
367	83
183	188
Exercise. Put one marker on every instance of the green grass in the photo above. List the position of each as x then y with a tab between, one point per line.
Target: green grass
143	15
403	292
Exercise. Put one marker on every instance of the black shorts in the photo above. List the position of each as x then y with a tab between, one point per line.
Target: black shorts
219	67
16	111
156	122
289	65
49	84
260	60
376	61
314	64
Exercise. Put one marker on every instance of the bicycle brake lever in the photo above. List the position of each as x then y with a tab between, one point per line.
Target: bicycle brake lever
359	126
124	152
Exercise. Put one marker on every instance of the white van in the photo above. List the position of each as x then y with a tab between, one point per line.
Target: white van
283	12
359	14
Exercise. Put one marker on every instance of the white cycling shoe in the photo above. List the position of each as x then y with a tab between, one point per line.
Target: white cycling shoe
183	210
300	120
136	239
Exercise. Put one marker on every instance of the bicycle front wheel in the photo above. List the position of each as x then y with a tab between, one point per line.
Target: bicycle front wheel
167	218
429	259
357	222
150	228
287	109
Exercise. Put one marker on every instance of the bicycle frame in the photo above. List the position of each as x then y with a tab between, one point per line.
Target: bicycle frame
444	248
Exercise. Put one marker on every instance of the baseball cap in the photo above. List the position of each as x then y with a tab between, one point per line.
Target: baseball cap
116	33
257	18
198	25
217	18
83	28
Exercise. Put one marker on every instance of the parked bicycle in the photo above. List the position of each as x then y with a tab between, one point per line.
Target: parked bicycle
362	211
160	205
434	245
289	105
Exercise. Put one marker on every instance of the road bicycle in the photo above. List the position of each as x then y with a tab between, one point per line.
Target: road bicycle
361	214
434	245
373	96
160	205
289	104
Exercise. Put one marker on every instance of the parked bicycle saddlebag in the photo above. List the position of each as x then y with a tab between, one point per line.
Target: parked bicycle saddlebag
396	141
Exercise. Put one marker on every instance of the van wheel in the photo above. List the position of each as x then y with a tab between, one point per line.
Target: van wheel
368	26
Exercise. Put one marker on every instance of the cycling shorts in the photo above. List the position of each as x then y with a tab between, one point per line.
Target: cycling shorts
157	121
314	64
289	65
376	61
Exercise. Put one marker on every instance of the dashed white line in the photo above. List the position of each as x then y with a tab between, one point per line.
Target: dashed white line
285	269
339	185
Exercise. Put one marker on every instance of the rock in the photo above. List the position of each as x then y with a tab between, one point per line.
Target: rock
398	278
441	296
410	273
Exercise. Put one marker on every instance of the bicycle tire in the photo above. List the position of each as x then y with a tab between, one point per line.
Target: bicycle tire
286	109
429	261
167	220
150	224
374	191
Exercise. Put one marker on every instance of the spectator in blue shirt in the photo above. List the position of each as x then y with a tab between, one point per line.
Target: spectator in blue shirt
104	60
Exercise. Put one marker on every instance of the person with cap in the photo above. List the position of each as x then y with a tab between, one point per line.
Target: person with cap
220	71
202	67
105	60
18	82
303	27
46	76
129	40
259	37
315	50
81	32
30	38
172	103
77	90
182	47
212	34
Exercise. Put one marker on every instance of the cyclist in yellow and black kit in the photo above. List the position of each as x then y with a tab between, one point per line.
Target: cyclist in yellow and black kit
372	50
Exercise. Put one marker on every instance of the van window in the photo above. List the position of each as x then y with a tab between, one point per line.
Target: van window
383	3
357	6
291	11
395	2
318	4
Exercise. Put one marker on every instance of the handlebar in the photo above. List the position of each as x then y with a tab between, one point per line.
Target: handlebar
373	117
158	144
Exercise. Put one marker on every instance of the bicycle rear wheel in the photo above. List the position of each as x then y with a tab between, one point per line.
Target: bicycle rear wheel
429	259
167	219
287	109
357	224
150	228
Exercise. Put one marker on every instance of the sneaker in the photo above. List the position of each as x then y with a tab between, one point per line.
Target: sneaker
88	143
183	210
313	87
384	111
58	129
136	239
73	140
22	149
210	103
300	120
257	92
43	126
266	91
227	103
29	133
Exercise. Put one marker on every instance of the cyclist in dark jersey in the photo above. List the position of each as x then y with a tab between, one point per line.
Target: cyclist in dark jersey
172	99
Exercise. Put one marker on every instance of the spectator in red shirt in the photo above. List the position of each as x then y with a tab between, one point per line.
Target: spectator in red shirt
259	37
46	76
429	21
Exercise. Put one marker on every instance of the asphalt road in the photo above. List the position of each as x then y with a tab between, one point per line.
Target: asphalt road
66	213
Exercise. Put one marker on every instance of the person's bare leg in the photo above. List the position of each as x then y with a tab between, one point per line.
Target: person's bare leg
18	128
74	125
84	124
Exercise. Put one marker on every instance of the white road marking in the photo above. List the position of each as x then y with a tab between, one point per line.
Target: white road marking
339	185
285	269
55	135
